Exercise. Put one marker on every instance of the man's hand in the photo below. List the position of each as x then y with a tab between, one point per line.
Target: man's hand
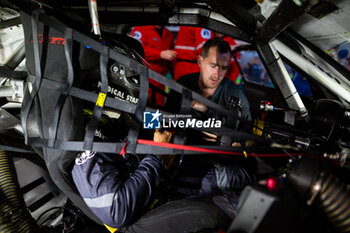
169	55
209	137
198	106
164	136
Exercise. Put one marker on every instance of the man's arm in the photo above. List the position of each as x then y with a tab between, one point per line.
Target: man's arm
164	136
152	53
112	194
185	44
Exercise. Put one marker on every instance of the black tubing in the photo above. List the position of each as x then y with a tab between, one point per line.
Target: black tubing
14	216
5	225
335	202
333	197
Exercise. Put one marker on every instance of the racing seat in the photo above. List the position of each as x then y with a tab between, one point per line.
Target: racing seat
40	106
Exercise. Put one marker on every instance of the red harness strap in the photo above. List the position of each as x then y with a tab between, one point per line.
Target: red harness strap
205	150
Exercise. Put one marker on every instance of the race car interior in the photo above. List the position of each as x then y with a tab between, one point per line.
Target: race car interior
75	60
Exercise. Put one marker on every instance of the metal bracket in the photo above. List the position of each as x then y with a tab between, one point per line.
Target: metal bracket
283	16
275	67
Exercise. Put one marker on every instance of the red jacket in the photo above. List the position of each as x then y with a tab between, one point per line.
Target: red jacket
189	45
153	44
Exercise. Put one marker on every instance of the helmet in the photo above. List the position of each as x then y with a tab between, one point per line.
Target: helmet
123	84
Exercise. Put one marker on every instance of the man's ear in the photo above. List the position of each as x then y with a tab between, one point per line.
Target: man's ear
200	60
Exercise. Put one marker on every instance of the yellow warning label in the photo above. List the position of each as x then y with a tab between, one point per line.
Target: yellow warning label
101	99
111	229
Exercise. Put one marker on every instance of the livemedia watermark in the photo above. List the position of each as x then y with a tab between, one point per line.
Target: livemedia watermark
157	120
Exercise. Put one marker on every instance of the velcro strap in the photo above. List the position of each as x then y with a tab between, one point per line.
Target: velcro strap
136	122
97	113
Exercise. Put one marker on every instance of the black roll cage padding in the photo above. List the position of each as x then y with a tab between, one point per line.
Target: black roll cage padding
106	53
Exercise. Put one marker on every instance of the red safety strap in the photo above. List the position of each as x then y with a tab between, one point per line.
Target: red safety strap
211	151
123	151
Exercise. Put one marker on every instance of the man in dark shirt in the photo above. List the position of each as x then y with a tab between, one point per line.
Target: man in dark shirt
213	177
220	96
210	82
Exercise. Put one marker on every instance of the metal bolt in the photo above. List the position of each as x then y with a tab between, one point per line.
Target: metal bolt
347	114
298	2
115	69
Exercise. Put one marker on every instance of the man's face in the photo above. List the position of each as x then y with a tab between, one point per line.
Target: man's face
213	68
